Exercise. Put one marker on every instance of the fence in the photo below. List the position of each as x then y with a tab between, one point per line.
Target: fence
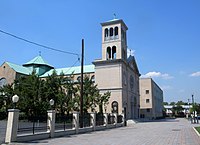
64	121
32	125
53	125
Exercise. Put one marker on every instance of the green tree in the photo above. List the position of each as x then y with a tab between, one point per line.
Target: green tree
103	100
30	90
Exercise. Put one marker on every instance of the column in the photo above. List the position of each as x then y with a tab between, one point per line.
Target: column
105	119
93	120
51	122
115	118
12	125
76	121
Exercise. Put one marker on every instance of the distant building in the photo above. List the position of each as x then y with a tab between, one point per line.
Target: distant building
151	99
114	72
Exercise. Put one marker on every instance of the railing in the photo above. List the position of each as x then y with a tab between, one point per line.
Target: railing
86	120
111	119
64	122
99	119
32	125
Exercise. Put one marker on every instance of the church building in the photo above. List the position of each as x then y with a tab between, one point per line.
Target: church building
114	72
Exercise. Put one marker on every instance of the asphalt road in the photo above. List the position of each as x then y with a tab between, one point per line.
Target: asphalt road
2	130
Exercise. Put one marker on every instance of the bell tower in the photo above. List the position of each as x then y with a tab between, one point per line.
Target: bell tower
114	42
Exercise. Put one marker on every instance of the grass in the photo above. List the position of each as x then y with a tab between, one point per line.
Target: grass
198	129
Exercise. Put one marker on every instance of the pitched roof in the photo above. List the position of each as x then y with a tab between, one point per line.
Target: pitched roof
19	68
70	70
37	60
132	59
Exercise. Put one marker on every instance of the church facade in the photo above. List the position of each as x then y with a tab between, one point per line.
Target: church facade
114	72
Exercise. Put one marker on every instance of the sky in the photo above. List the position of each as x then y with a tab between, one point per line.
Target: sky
164	36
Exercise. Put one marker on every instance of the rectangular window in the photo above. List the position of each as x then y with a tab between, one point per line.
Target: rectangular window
148	110
147	91
147	100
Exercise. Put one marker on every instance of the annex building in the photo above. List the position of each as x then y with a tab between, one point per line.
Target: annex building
114	72
151	99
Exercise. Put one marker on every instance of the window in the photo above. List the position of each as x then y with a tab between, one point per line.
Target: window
106	32
114	52
93	78
79	79
116	31
147	91
147	100
114	107
148	110
111	32
108	53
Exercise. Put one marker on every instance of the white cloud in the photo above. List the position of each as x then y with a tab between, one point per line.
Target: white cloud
164	88
130	52
196	74
158	75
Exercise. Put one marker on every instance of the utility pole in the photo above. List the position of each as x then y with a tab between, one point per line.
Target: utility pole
81	98
193	108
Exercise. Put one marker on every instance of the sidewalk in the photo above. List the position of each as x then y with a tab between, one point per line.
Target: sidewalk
164	132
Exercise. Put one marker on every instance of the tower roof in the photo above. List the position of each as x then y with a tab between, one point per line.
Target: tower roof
114	21
37	60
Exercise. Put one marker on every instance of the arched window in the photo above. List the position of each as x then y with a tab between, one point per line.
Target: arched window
114	52
79	79
111	32
93	78
3	82
108	55
116	31
106	32
114	107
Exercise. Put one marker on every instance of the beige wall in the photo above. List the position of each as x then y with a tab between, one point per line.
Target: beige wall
7	72
155	96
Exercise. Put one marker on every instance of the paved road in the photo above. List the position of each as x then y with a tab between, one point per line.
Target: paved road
2	131
165	132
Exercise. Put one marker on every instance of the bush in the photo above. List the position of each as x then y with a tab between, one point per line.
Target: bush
3	114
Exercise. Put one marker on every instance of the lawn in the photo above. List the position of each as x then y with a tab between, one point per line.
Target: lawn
198	129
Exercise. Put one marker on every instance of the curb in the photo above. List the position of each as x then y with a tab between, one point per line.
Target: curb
196	131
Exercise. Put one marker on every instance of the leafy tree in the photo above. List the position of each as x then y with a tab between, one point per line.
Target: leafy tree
102	100
172	103
31	89
165	103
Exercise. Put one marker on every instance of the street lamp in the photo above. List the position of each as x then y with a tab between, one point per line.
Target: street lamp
93	108
76	106
15	99
51	102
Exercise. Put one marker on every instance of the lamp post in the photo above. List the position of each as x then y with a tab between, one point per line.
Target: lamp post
15	99
51	102
193	108
75	106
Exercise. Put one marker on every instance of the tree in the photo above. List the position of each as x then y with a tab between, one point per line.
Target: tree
103	100
31	90
165	103
172	103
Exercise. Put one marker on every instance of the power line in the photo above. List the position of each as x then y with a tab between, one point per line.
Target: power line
72	65
40	45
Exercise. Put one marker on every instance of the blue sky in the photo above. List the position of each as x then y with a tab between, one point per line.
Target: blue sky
164	35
